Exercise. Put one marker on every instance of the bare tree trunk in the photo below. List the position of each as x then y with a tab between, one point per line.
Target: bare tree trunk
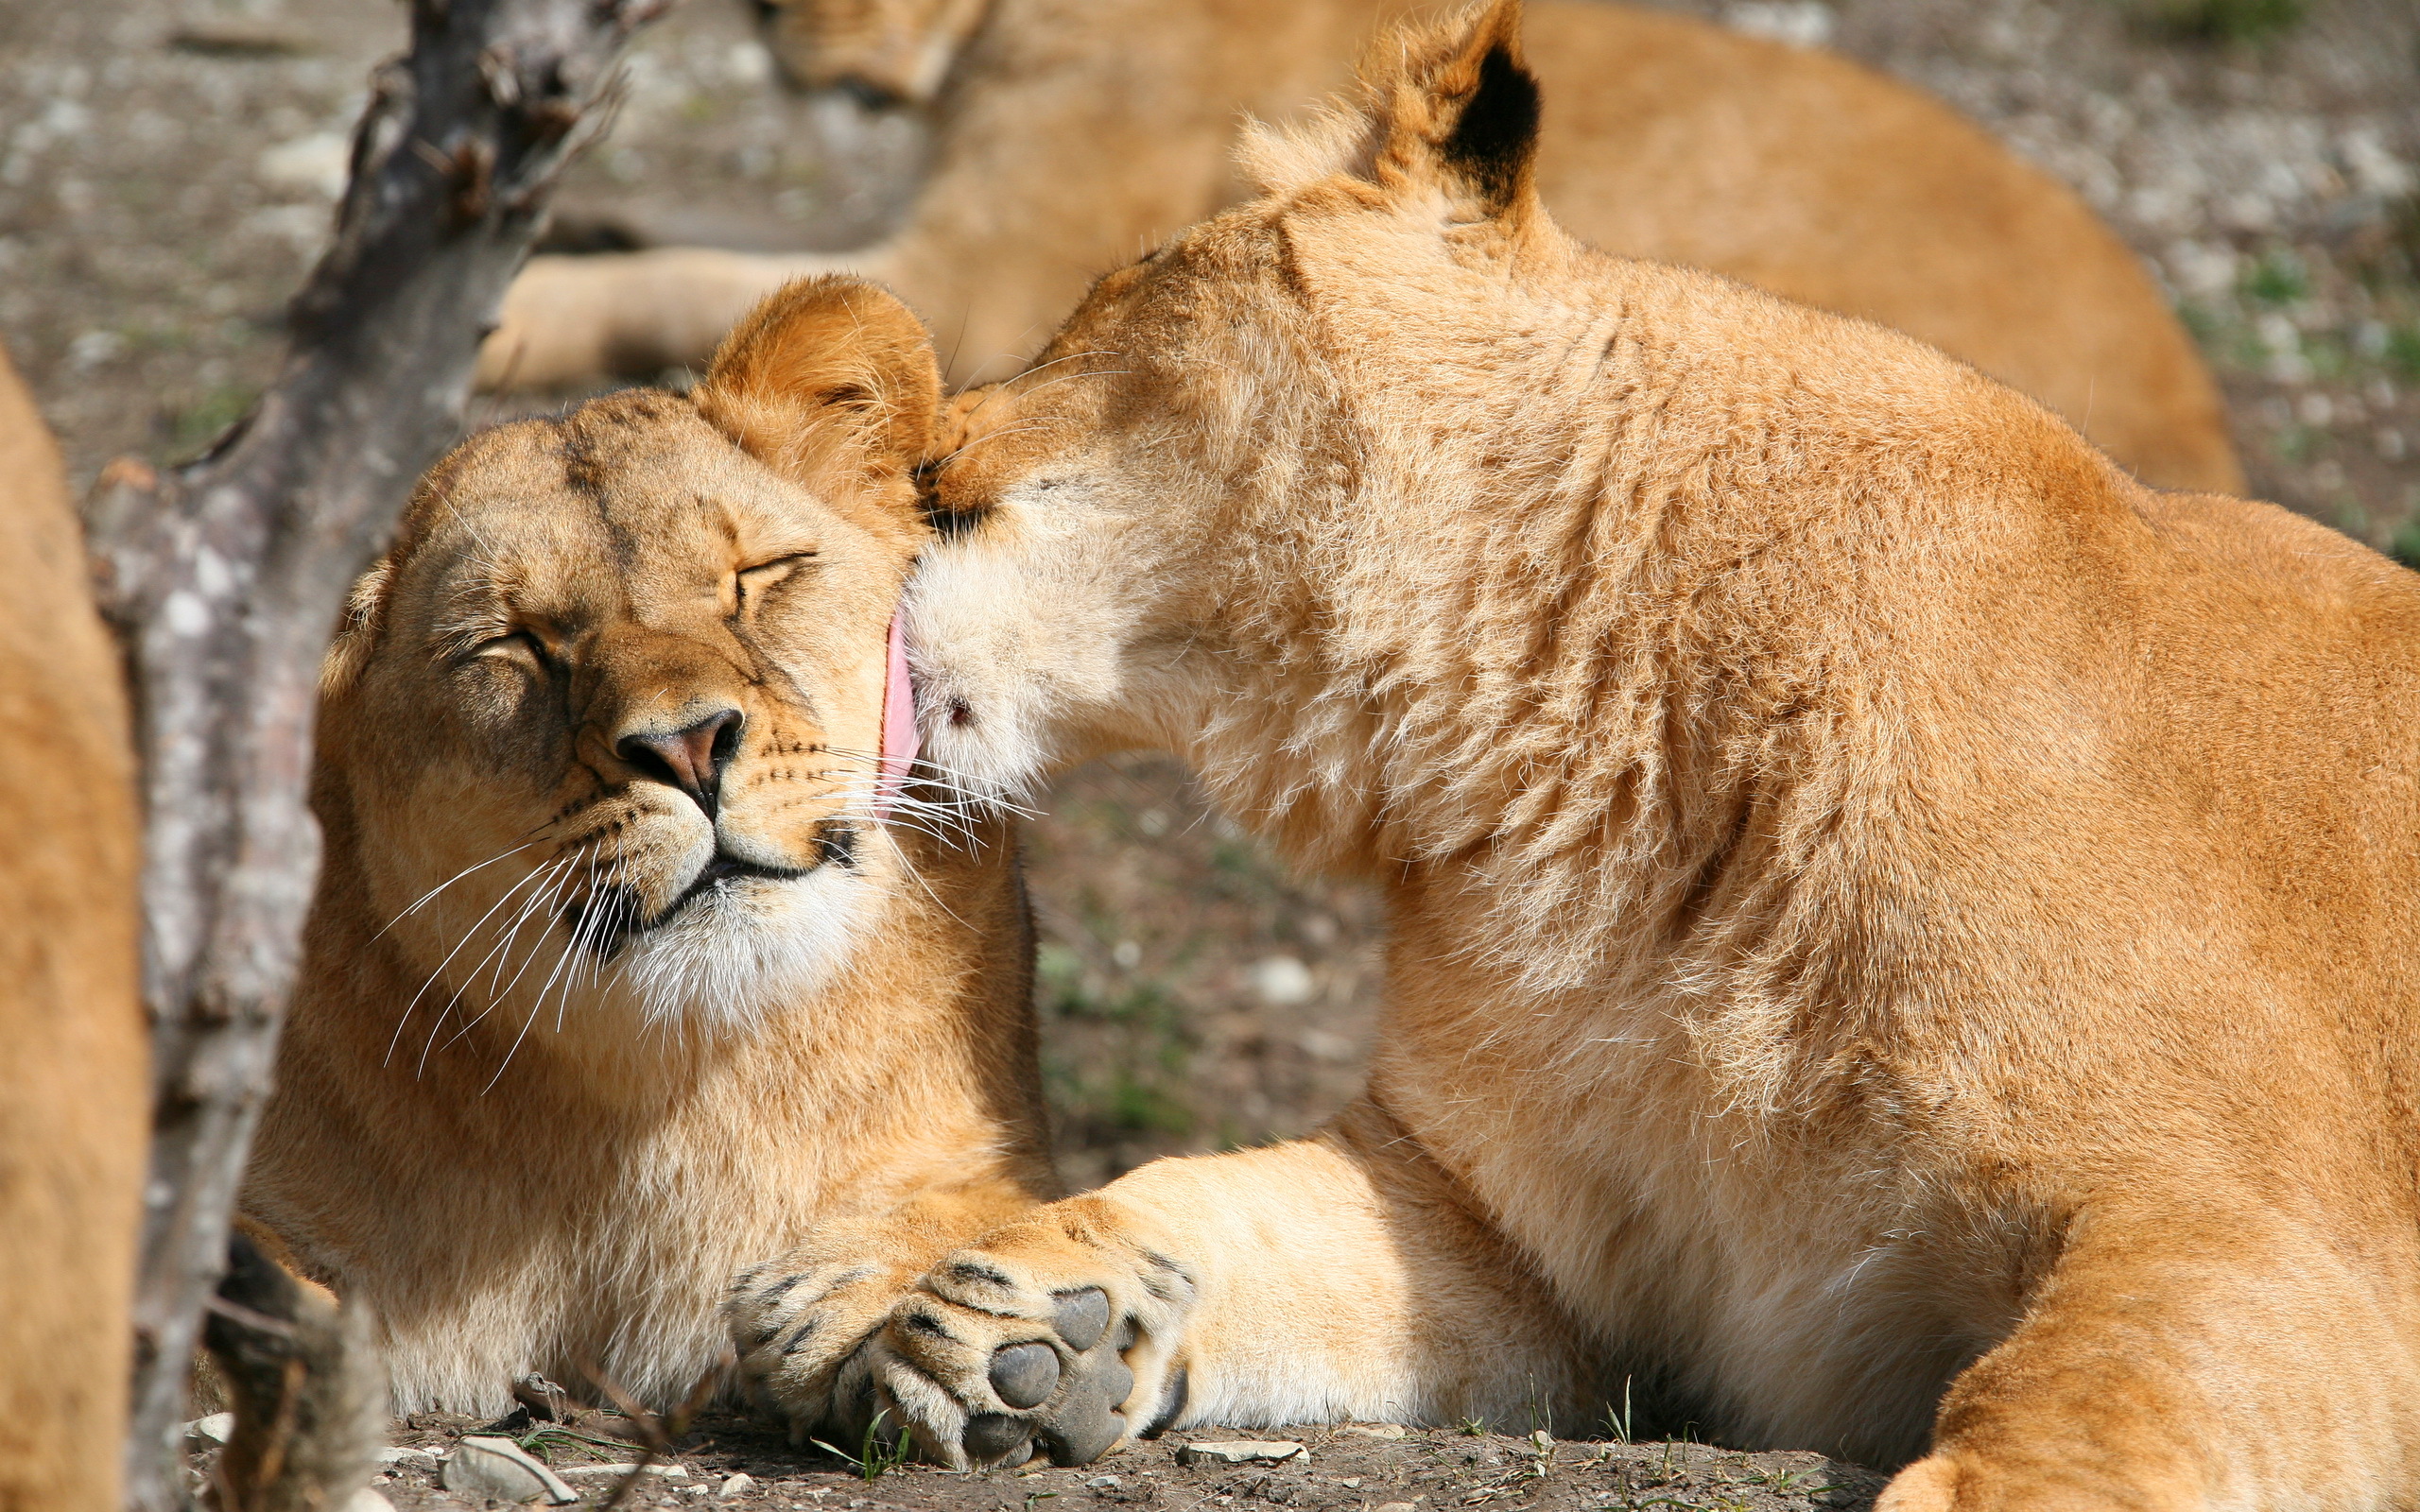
223	580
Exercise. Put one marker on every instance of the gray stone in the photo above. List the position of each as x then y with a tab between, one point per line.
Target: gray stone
212	1431
404	1454
499	1467
1240	1452
739	1484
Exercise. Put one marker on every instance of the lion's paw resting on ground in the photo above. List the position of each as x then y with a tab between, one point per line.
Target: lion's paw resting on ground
1060	1336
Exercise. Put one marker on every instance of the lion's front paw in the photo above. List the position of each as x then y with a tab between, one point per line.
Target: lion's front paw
1061	1331
801	1326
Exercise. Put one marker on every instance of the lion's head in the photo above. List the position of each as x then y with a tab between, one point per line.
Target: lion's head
604	732
889	52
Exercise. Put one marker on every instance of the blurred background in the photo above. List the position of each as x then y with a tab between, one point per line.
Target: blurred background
167	169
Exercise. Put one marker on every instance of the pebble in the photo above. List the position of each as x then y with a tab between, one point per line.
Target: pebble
1373	1430
215	1429
1240	1452
498	1468
1394	1506
367	1499
739	1484
1102	1483
404	1454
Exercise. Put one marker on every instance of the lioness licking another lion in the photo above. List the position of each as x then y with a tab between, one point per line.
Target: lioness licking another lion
632	957
1072	133
1900	935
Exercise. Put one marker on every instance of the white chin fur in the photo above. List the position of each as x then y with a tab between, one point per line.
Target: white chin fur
981	696
747	947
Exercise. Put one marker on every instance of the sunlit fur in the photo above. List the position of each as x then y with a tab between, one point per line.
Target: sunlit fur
75	1092
1902	941
1073	133
547	1086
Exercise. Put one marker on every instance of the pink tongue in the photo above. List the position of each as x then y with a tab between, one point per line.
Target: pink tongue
899	739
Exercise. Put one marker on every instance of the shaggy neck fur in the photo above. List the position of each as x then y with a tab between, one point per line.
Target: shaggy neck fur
1645	697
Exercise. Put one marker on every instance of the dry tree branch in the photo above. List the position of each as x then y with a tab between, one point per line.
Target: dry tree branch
222	581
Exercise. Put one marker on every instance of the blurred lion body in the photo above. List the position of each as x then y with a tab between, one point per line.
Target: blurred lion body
493	1124
73	1098
1075	132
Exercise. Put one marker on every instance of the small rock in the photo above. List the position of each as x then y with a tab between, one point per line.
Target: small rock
1373	1430
367	1499
1540	1440
1351	1483
212	1431
1102	1483
404	1454
739	1484
1394	1506
1284	982
1240	1452
498	1468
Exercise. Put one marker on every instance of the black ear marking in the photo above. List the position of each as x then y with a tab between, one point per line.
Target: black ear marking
1497	134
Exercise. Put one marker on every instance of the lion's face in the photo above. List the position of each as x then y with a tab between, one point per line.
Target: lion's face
889	52
609	720
1122	523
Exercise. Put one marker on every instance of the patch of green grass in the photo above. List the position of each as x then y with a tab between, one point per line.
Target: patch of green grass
2277	277
877	1455
2221	21
206	419
2405	546
2403	350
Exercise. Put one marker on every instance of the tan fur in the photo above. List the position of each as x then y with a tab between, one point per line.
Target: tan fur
1911	937
1073	133
73	1097
485	1127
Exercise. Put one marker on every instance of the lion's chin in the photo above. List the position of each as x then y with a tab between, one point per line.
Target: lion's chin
743	951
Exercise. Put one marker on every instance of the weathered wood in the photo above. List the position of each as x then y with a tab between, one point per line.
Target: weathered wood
222	581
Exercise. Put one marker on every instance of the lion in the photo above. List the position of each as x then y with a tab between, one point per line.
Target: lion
1073	132
75	1098
635	954
1900	935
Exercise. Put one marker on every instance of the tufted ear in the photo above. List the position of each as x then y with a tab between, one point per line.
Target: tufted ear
1448	109
830	382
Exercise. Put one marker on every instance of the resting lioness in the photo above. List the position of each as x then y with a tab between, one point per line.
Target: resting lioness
618	980
1073	132
1898	933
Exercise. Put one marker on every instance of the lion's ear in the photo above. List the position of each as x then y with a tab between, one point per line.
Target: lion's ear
1448	107
829	381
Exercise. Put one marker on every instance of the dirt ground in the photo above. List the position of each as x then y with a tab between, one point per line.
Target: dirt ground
166	169
1360	1468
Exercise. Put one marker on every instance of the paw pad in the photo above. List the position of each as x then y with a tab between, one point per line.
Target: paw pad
1081	1317
1025	1375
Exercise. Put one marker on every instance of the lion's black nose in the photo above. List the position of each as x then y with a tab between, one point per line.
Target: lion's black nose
691	758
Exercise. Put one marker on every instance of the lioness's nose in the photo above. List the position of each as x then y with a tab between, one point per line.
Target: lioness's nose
691	760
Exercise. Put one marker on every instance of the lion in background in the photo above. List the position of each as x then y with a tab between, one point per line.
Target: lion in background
1072	134
632	957
1899	936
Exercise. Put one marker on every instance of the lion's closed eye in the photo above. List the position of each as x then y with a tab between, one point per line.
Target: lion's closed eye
751	584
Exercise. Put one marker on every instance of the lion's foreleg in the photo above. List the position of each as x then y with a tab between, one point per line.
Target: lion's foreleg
1334	1278
574	320
2196	1357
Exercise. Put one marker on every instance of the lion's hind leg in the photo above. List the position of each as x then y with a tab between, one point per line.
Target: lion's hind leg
2187	1359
